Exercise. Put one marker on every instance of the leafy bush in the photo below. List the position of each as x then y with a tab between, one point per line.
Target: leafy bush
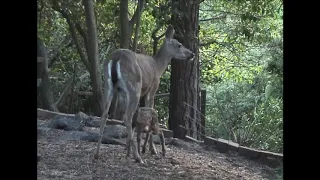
239	112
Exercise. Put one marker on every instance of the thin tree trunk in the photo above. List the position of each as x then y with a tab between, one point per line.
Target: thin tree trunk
93	56
42	73
184	85
68	85
46	94
137	30
124	25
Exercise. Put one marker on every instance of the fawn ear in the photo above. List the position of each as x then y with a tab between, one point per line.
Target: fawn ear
169	32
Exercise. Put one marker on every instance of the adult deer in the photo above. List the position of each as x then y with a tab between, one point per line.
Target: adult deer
131	76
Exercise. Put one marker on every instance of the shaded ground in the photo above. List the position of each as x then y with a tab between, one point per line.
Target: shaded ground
62	158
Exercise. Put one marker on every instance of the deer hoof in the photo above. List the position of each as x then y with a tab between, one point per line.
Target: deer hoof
96	156
153	152
139	160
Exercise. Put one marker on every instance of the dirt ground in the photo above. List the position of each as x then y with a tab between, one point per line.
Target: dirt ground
73	159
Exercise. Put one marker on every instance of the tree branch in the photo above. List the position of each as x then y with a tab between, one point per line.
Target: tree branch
83	34
223	44
215	18
135	17
155	38
72	29
57	51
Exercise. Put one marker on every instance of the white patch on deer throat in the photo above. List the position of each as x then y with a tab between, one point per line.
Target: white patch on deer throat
146	128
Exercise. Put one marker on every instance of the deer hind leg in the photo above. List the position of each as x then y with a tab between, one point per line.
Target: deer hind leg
133	103
108	97
116	111
134	100
138	139
130	94
113	107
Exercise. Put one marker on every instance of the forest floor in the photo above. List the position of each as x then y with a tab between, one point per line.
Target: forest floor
62	158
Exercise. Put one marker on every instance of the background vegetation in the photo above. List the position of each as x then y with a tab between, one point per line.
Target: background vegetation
241	61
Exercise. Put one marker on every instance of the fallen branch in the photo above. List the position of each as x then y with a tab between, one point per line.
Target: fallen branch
46	115
87	93
92	121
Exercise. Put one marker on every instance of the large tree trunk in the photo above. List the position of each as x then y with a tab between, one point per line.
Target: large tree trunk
184	85
124	25
93	56
42	73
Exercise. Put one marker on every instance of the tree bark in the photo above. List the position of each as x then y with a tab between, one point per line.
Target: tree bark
137	29
93	56
124	25
184	84
42	73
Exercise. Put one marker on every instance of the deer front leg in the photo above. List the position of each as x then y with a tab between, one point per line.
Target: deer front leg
138	139
149	97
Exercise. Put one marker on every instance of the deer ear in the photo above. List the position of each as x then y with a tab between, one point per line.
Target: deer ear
169	32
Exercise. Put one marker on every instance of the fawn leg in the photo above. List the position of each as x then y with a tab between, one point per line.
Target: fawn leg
145	142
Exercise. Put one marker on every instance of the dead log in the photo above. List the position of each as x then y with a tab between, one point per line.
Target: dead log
88	93
81	135
45	115
89	121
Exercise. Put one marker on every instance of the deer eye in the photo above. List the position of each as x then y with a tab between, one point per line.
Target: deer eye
179	45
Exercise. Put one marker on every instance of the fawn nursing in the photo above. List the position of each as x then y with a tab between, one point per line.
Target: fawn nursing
130	77
145	120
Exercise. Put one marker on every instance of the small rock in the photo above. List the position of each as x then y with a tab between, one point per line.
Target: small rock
115	131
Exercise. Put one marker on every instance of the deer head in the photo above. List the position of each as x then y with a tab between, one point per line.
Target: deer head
174	48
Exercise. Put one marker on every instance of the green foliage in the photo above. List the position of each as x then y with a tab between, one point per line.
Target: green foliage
240	111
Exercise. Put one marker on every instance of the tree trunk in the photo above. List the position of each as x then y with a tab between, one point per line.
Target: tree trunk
93	56
46	94
137	29
184	85
42	73
124	24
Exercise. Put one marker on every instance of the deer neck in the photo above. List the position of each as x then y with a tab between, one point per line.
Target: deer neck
162	59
